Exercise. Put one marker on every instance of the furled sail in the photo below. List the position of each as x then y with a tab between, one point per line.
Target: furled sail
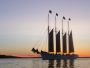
51	42
58	49
71	46
64	44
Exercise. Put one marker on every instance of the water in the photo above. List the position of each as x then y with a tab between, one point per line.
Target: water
39	63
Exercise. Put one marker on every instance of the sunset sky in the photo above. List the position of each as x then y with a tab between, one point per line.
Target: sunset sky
23	24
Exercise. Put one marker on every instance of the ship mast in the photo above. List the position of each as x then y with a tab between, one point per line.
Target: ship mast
56	39
62	24
55	22
63	38
48	26
55	32
48	29
50	12
70	40
68	33
62	35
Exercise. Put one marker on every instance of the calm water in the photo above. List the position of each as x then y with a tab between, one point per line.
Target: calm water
39	63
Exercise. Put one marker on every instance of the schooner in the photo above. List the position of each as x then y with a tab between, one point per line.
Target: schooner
67	51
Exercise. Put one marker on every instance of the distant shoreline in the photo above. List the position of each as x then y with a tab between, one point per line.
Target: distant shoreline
8	56
83	57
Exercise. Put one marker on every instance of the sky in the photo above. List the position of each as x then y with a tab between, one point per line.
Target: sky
23	24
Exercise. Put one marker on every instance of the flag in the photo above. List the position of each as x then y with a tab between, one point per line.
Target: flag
64	18
69	19
50	11
56	14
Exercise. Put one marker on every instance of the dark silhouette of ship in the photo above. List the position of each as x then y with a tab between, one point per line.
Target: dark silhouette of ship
67	50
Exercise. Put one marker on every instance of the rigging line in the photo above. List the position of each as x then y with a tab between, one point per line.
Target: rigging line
35	45
41	32
46	40
44	27
44	47
44	43
40	46
41	43
41	40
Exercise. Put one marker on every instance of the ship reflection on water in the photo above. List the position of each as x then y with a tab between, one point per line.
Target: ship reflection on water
61	64
39	63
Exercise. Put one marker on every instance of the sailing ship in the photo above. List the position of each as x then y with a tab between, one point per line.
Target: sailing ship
59	54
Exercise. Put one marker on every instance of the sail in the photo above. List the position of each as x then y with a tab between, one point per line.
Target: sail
64	44
58	49
71	46
50	42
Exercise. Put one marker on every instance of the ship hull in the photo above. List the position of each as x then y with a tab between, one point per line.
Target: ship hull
47	56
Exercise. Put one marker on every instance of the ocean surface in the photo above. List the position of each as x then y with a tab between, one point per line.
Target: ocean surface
39	63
